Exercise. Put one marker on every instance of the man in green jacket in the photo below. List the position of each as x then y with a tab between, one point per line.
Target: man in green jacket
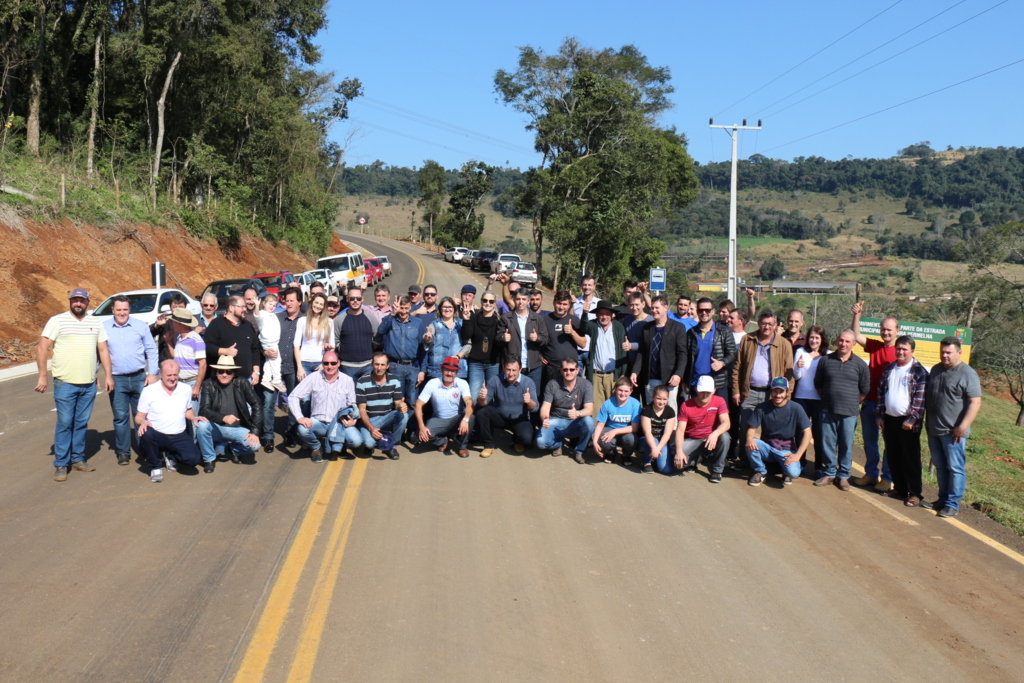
606	351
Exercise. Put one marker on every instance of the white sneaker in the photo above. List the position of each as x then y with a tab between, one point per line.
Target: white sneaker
156	476
170	464
280	386
267	384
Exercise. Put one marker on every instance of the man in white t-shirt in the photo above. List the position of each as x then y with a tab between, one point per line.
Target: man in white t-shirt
163	408
452	402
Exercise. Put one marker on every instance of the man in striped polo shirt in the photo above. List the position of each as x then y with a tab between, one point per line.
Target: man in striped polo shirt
190	352
75	337
382	406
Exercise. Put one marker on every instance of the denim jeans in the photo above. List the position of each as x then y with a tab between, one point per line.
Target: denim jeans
355	372
442	428
837	443
950	460
407	374
812	406
210	435
124	403
270	406
393	422
311	437
480	374
663	463
767	452
872	456
581	429
74	407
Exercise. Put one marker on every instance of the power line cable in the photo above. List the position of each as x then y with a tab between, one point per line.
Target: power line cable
783	99
916	45
471	155
845	35
913	99
444	125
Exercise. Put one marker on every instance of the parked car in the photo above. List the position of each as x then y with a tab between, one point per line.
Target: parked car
346	269
455	254
482	260
525	273
145	304
467	260
222	289
305	281
374	271
385	262
275	282
504	263
324	277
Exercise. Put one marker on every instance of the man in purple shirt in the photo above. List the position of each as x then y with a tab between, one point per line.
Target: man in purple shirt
332	404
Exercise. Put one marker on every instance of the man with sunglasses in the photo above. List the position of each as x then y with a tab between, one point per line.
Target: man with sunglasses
712	350
209	314
567	412
332	399
231	415
353	331
429	307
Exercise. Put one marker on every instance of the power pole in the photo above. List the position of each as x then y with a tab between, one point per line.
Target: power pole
735	128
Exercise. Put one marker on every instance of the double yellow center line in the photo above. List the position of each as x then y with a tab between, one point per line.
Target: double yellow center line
268	630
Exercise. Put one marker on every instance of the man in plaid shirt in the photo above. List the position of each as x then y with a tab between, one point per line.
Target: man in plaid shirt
899	414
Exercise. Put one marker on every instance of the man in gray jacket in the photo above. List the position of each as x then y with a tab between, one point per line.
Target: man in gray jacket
525	336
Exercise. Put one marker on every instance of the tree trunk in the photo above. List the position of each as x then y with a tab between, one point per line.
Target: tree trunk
35	89
159	142
1020	417
538	241
554	278
94	104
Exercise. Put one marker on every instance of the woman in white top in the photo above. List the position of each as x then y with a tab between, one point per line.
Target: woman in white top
805	365
314	334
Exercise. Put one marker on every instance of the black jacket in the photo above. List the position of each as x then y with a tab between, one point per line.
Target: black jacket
723	348
673	352
250	407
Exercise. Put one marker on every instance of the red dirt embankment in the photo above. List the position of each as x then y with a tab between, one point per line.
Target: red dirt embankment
41	262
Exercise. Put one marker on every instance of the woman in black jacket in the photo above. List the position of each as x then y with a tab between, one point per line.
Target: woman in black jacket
480	331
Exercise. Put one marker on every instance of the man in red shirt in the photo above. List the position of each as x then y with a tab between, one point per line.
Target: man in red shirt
702	432
881	355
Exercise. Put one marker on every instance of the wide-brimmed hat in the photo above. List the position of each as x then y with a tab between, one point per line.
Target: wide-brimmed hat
226	363
605	304
184	317
450	363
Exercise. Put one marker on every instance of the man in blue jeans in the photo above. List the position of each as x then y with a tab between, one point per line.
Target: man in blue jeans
400	335
842	381
332	402
567	412
75	337
382	406
881	354
230	415
133	360
781	422
952	401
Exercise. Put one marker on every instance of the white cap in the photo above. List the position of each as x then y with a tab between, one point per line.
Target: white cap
706	383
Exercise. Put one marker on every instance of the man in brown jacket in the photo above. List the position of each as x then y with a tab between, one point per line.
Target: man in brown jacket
761	356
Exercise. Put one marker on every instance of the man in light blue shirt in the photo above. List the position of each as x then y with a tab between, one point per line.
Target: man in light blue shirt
133	358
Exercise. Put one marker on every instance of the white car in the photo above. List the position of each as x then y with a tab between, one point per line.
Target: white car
467	260
145	304
504	263
322	275
455	254
524	273
385	263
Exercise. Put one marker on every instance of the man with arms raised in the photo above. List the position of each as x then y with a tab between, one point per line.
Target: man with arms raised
75	337
781	421
163	408
881	354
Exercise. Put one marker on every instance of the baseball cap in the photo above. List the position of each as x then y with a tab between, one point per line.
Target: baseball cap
468	289
779	383
386	441
332	300
78	292
450	363
706	383
415	289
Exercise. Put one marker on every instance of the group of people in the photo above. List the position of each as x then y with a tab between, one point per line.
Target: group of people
635	381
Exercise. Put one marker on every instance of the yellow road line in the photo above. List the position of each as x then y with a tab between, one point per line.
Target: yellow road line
990	542
421	272
257	655
326	580
883	507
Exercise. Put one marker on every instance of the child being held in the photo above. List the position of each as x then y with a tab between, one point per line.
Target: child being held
270	336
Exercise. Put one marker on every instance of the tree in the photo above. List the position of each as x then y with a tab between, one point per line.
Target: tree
431	182
461	223
772	268
921	149
607	169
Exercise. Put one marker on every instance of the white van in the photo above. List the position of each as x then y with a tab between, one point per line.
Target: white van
346	268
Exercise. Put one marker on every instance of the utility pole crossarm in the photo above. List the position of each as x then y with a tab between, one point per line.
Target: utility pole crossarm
735	128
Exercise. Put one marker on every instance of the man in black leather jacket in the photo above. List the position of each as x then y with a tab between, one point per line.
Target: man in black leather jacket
230	414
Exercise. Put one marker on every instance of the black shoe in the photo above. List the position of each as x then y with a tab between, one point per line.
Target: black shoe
235	459
268	445
393	454
787	480
948	511
289	442
716	478
927	504
209	466
369	452
316	456
60	474
756	479
648	469
124	458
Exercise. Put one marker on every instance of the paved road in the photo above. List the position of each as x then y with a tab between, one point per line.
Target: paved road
442	569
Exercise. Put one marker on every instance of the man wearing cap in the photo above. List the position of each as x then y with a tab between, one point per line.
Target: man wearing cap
382	406
661	358
332	397
415	298
231	415
353	333
842	380
702	432
525	336
163	408
506	402
567	412
782	422
190	352
467	297
606	352
429	307
453	409
76	337
230	335
333	307
133	362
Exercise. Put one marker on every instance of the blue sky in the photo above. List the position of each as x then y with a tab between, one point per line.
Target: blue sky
438	60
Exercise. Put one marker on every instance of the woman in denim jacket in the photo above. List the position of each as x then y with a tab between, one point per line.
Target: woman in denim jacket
442	338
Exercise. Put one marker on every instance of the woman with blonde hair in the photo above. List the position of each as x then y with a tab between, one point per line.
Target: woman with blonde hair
314	334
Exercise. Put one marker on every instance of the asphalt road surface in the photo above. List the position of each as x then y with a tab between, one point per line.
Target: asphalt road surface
517	567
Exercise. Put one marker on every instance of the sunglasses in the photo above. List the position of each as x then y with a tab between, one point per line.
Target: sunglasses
209	305
429	293
225	372
330	364
569	369
352	298
705	310
488	301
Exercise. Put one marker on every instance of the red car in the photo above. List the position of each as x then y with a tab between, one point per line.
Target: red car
275	282
374	271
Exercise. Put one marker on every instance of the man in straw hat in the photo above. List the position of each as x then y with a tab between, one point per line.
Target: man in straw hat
189	351
163	408
231	415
